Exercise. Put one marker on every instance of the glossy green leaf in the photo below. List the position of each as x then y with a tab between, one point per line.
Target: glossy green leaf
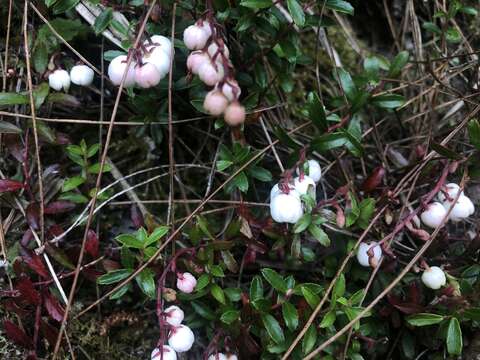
230	316
146	282
256	288
309	339
340	6
295	9
424	319
275	279
388	101
103	20
114	276
398	63
273	328
290	315
454	337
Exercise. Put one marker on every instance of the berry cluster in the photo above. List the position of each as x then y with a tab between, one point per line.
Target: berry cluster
151	63
285	197
80	75
435	212
210	60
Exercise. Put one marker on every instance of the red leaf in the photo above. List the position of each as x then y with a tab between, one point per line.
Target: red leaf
11	306
35	263
136	217
374	180
28	292
10	185
91	246
53	307
17	335
49	332
55	230
58	207
409	308
33	215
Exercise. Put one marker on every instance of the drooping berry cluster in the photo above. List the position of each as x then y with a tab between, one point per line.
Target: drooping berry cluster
435	212
150	64
210	60
285	197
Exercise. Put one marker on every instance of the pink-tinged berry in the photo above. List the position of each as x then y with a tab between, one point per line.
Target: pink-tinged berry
181	338
195	60
210	74
186	282
231	90
234	114
195	38
168	353
147	75
215	103
174	315
158	57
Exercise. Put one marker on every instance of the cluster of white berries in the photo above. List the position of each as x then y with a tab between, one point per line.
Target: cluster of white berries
80	75
180	338
364	257
147	68
210	61
436	211
222	356
434	278
186	282
286	206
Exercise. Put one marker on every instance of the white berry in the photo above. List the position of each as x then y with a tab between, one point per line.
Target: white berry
362	254
462	209
215	103
116	69
181	338
157	56
195	37
286	208
276	190
186	282
147	76
433	215
195	60
451	189
303	185
312	168
434	278
231	90
234	114
162	43
205	26
81	75
59	79
217	356
168	353
210	74
174	315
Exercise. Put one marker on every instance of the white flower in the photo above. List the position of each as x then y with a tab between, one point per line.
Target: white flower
462	209
168	353
312	168
217	356
81	75
116	69
215	102
174	315
195	37
147	76
362	254
286	208
302	186
181	338
434	278
186	282
433	215
59	79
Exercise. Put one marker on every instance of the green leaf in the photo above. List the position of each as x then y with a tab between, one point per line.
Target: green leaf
474	132
120	292
224	164
329	141
256	288
340	6
256	4
95	168
146	282
290	315
114	276
339	288
285	138
234	294
367	208
217	293
40	93
388	101
9	128
444	151
472	313
320	235
328	320
309	339
260	173
310	297
202	282
230	316
454	337
40	57
203	310
398	63
241	182
316	112
156	235
273	328
62	6
103	20
433	28
424	319
453	35
353	144
11	98
302	223
347	84
92	150
296	11
275	279
72	183
130	241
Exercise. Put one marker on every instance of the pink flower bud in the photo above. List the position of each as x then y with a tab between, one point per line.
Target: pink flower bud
181	338
174	315
231	90
186	282
234	114
195	37
209	74
195	60
117	68
215	103
168	353
147	76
